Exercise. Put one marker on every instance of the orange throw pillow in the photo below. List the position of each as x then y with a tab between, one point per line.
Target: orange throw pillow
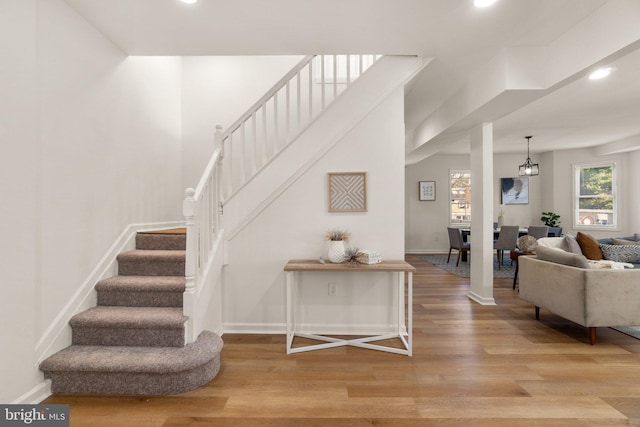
589	245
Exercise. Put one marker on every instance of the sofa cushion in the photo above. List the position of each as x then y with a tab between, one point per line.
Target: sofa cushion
606	241
589	246
553	242
572	244
621	253
624	242
609	240
561	257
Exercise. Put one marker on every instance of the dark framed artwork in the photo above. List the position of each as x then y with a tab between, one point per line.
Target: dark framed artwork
427	190
514	191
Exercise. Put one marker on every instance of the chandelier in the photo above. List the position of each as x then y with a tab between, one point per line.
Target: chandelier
528	168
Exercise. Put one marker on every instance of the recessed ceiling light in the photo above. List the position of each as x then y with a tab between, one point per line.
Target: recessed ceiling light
600	73
483	3
189	1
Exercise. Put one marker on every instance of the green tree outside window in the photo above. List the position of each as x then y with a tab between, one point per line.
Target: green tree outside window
595	196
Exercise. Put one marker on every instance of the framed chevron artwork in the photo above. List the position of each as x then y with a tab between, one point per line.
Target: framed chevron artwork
347	191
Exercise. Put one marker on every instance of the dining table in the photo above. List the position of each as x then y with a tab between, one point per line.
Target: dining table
466	232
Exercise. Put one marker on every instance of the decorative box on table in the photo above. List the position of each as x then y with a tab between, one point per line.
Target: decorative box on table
368	256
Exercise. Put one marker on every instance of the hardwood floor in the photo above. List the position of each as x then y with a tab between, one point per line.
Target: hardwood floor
473	365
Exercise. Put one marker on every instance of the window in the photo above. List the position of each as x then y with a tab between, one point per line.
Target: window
460	191
595	204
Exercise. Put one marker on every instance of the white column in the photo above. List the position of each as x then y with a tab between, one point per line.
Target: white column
481	289
631	195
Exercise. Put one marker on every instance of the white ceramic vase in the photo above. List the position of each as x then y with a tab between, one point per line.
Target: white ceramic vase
336	251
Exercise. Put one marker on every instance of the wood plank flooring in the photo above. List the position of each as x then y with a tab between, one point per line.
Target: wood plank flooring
473	365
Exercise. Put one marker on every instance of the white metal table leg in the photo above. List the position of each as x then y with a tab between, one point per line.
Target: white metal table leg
289	308
400	286
410	310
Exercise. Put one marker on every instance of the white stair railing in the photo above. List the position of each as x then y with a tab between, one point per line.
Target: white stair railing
247	146
202	208
284	112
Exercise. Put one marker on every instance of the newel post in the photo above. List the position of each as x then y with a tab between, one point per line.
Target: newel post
190	268
188	210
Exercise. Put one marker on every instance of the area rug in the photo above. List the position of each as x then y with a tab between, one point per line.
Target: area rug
632	331
506	271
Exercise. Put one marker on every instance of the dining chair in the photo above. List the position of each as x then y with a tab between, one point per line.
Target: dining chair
555	231
507	241
456	242
538	231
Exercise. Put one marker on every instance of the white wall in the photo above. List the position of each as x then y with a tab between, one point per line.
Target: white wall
506	166
90	144
217	91
427	221
293	227
19	186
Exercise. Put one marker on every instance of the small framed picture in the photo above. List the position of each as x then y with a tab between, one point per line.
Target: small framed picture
427	190
347	192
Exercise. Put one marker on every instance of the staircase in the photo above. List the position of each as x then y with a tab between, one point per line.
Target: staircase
133	342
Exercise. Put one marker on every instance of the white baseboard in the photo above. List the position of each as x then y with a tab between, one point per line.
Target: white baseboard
36	395
255	328
481	300
318	329
426	251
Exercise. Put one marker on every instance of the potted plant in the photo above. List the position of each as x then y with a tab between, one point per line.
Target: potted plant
551	220
336	238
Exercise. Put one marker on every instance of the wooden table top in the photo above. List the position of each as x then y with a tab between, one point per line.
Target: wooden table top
316	265
515	254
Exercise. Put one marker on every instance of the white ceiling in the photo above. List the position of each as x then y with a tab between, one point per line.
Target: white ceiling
460	38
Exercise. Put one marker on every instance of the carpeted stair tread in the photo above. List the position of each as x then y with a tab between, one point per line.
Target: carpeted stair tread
153	255
141	291
142	284
161	241
105	370
130	317
142	262
135	359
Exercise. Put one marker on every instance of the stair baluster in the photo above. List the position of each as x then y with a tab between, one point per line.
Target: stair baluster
312	85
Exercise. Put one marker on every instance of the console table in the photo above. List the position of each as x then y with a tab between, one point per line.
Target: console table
399	267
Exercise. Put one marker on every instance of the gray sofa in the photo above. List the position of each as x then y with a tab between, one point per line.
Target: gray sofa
563	283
